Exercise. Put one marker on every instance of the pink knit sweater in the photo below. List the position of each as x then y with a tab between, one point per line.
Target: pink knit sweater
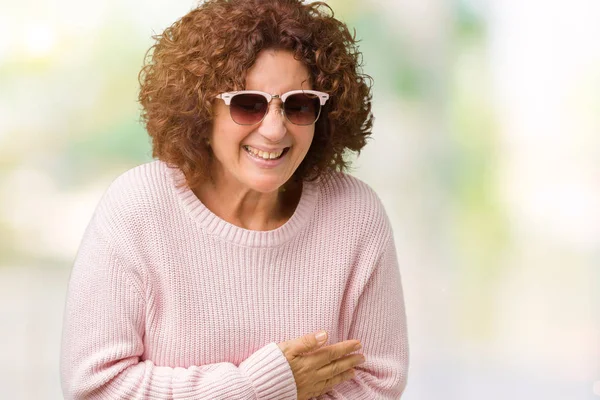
167	300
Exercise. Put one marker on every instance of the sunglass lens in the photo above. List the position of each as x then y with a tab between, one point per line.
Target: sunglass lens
302	108
248	109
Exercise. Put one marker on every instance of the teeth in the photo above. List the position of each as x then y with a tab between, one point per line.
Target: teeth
263	154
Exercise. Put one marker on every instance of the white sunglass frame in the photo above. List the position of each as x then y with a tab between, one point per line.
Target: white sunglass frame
227	96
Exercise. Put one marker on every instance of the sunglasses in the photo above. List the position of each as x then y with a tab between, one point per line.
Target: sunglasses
249	107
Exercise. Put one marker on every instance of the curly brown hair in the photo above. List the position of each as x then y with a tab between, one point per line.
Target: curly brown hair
209	51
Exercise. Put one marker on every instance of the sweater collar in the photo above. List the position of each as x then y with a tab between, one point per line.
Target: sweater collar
216	226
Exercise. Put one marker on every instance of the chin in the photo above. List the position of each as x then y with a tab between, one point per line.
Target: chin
265	184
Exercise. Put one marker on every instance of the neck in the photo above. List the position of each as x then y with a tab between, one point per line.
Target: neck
247	208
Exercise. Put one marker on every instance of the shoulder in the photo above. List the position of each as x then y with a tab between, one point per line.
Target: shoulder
353	201
136	194
341	190
341	184
138	180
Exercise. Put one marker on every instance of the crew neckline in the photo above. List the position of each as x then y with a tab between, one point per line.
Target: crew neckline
217	226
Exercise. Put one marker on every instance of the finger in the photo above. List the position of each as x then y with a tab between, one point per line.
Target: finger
336	380
339	366
303	344
326	355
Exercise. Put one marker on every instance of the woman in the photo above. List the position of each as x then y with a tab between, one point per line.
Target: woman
210	272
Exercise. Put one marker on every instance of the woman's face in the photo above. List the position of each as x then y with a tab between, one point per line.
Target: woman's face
233	145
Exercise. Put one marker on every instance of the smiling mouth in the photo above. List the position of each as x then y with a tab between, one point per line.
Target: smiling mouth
262	155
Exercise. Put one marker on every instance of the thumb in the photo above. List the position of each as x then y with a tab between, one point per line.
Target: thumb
307	343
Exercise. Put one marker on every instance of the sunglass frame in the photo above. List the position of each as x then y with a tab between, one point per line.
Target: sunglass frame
228	96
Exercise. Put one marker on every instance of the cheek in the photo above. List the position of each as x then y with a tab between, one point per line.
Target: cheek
222	123
227	136
228	143
307	140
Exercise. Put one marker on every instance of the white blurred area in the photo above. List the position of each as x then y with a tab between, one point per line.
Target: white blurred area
545	59
502	294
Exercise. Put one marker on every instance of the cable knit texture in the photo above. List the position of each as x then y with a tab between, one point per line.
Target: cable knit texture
167	300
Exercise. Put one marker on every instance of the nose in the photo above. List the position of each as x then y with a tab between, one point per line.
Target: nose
273	126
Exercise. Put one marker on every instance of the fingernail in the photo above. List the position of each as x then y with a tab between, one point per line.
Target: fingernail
358	347
321	336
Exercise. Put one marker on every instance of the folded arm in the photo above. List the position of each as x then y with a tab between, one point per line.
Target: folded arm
102	343
379	322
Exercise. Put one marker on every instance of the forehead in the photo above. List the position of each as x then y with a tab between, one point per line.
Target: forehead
276	72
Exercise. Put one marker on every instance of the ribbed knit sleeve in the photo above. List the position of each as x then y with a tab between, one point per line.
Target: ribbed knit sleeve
103	334
380	323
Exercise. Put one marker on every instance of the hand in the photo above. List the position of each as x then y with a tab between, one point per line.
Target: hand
319	371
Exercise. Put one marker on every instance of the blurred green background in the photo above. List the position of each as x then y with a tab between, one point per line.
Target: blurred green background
485	152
